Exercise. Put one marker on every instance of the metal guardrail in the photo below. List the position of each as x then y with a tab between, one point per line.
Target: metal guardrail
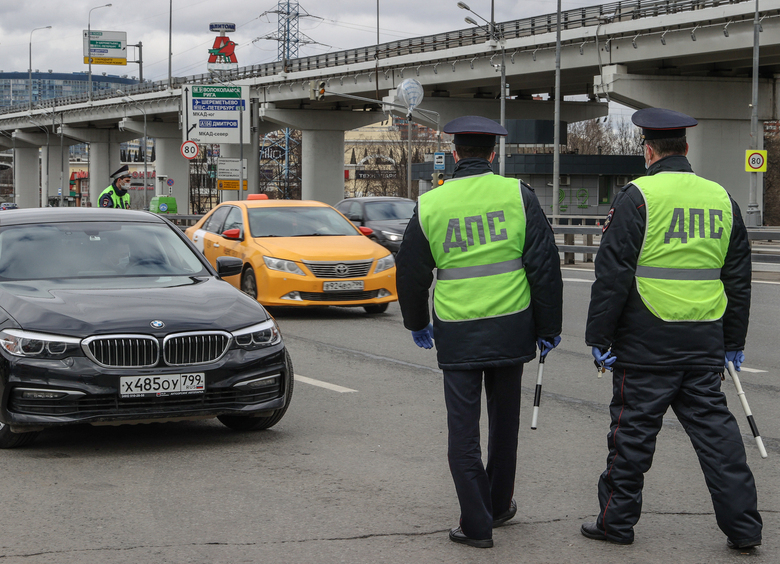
588	249
571	19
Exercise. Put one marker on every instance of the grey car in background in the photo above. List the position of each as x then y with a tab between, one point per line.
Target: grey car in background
386	215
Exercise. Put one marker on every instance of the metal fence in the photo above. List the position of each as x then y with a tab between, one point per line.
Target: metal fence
588	249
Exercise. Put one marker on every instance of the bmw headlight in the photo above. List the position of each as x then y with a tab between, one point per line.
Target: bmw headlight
38	345
392	235
384	263
258	336
282	265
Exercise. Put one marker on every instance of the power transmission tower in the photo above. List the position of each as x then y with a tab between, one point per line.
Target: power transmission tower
289	37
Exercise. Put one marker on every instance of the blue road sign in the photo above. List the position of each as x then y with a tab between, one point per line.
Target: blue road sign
438	161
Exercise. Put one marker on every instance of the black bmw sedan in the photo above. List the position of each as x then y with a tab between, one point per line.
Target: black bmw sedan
111	316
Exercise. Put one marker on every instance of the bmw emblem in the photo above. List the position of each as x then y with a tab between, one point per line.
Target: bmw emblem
157	324
342	269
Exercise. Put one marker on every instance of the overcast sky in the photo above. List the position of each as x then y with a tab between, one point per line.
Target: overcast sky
339	24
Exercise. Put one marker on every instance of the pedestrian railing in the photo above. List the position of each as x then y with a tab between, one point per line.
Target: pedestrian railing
761	253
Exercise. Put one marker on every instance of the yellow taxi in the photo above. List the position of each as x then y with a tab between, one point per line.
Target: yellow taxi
298	253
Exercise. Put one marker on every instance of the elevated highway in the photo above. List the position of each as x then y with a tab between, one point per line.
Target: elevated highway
691	56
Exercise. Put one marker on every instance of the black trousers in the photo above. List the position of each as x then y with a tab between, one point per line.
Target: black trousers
483	491
639	402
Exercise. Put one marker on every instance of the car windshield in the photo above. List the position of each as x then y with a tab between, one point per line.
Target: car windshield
94	250
298	222
378	211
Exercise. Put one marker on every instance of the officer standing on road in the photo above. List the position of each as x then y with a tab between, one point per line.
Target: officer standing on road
498	293
672	299
116	196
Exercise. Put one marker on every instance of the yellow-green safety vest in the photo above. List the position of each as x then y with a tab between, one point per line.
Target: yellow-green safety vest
476	230
687	236
121	203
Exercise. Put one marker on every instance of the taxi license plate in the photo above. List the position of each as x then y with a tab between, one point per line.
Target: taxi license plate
162	385
341	286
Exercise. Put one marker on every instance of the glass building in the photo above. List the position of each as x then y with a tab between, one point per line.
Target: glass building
15	86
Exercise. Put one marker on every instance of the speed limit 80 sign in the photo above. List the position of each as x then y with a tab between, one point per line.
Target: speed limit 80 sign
755	161
189	150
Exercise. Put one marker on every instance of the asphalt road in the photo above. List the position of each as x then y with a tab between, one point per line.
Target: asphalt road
356	472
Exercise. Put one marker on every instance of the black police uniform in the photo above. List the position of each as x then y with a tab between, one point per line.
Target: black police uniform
661	364
495	347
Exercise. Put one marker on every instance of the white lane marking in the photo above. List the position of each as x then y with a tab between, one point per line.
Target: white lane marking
746	369
577	280
321	384
765	282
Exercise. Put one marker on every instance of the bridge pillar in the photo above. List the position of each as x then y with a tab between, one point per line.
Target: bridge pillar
26	171
169	161
104	157
322	170
171	164
722	108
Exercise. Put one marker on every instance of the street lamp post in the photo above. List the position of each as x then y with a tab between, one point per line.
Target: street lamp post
753	214
146	148
30	69
499	42
89	45
557	122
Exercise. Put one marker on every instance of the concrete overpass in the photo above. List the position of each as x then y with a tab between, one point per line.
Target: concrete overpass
694	56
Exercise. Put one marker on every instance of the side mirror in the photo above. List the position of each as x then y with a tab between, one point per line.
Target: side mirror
367	231
229	266
356	217
233	234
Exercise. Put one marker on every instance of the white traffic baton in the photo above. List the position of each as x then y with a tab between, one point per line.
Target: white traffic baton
746	407
538	391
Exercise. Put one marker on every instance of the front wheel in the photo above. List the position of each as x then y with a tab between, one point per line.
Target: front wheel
374	309
249	282
14	440
248	423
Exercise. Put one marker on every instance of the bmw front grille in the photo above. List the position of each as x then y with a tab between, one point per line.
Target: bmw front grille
143	351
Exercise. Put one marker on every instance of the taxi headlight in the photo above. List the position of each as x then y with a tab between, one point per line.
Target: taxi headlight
38	345
282	265
384	263
258	336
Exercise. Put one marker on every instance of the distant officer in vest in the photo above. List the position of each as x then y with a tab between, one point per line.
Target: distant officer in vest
498	294
116	196
668	309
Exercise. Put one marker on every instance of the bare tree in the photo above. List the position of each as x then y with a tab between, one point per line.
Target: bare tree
203	183
381	165
607	136
280	165
772	175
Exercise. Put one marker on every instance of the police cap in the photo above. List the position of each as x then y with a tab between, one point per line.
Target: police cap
123	171
474	131
658	123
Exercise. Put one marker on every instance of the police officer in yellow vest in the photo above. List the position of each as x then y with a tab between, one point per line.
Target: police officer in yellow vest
116	196
671	299
498	293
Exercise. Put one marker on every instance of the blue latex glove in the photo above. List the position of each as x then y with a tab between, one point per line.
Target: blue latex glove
737	357
607	359
424	337
546	346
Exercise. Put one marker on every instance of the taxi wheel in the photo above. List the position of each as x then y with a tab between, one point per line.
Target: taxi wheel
249	282
14	440
379	308
244	423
